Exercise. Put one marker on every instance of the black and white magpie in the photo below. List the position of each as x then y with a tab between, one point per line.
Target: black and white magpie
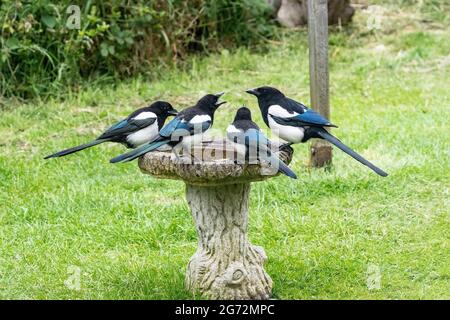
294	122
245	132
138	128
189	122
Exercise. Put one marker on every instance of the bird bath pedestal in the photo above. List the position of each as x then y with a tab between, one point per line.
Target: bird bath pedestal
226	265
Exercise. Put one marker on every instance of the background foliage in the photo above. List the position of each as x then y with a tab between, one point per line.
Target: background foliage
39	55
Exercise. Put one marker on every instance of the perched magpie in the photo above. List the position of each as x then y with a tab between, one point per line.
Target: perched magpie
295	123
189	122
244	131
138	128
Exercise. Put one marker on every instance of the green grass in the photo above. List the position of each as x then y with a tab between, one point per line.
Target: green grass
132	235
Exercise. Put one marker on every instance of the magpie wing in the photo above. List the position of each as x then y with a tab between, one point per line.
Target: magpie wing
308	118
167	130
304	116
179	128
127	126
258	138
252	138
293	105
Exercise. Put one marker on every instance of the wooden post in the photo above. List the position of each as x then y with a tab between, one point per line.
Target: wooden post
318	74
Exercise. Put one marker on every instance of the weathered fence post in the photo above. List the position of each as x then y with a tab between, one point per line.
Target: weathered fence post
318	74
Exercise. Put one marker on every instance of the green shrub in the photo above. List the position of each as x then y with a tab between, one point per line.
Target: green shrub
41	56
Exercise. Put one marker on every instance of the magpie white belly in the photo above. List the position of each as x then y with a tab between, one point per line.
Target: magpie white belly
143	136
287	133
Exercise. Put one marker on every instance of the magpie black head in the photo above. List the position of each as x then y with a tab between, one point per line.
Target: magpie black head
210	102
267	96
266	93
163	108
243	113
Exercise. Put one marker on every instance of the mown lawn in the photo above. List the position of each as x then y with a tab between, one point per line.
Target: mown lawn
327	235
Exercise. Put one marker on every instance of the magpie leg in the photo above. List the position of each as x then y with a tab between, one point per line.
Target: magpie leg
176	152
196	160
285	145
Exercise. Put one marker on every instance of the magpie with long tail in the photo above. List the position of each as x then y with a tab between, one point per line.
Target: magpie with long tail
138	128
243	131
189	122
295	123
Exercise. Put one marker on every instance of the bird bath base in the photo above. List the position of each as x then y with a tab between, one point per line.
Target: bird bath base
226	265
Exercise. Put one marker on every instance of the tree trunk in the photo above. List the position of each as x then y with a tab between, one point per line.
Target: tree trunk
226	265
293	13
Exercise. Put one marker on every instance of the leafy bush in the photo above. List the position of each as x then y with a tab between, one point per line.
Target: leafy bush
41	55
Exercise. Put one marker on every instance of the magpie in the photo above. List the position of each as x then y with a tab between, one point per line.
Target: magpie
294	122
139	127
244	131
189	122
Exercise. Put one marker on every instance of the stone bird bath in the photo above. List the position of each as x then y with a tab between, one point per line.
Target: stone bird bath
226	265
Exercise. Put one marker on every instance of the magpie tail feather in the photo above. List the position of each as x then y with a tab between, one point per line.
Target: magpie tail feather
280	165
65	152
322	133
136	153
283	168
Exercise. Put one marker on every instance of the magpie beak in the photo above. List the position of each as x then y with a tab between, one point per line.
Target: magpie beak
172	112
218	95
217	104
252	91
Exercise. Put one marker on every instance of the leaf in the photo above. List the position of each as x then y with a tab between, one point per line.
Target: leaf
115	29
49	21
104	51
13	43
111	49
4	56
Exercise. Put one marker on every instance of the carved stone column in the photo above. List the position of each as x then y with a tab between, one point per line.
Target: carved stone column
226	265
